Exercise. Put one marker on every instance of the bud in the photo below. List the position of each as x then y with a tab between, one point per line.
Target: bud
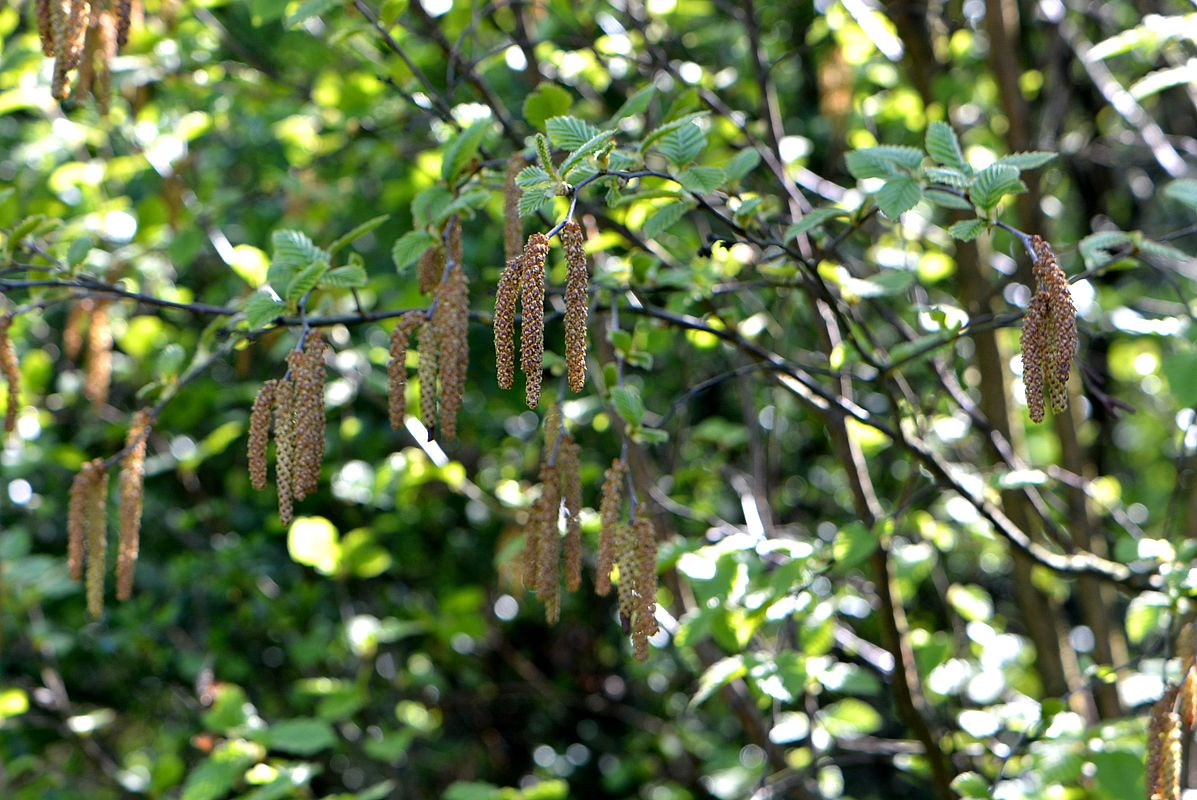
259	434
132	495
397	367
506	294
571	492
577	279
532	305
609	508
427	374
452	320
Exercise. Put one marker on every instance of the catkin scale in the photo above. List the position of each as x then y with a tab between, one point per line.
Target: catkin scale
45	30
609	506
506	295
10	367
259	434
451	320
124	13
576	287
397	367
532	325
132	496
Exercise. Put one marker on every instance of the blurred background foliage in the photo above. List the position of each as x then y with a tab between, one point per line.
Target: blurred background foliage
383	646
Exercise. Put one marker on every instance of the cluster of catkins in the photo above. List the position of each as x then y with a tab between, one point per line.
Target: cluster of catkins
296	403
83	35
522	282
87	518
1048	335
443	337
1171	715
11	371
629	547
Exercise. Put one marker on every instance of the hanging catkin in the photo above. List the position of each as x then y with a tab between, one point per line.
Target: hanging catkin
644	623
1157	722
1188	696
96	535
513	226
431	267
259	434
451	320
123	9
571	492
609	507
1170	758
307	375
397	367
548	548
532	307
427	374
82	489
506	294
1049	337
132	496
98	373
11	370
45	29
576	285
284	450
76	324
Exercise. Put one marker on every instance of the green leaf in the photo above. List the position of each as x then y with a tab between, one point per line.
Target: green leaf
853	544
993	183
681	146
588	148
531	176
898	196
369	226
741	164
350	276
1180	369
1029	160
262	308
1183	191
409	247
301	737
948	177
1118	775
462	150
535	198
305	280
1092	247
669	127
636	104
850	718
464	204
701	180
863	164
971	786
1147	613
229	711
78	251
428	205
628	404
549	100
1163	250
816	218
472	790
664	217
967	229
570	132
718	675
947	200
216	775
293	251
310	8
944	147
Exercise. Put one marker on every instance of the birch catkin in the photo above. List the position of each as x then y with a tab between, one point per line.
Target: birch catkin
284	449
1048	340
644	624
307	374
98	374
577	280
427	374
132	496
77	524
451	320
506	294
548	579
259	434
11	369
571	492
96	535
432	265
397	367
45	29
532	325
609	507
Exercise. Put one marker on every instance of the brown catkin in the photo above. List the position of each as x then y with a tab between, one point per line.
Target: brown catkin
548	578
60	13
532	325
11	370
627	557
123	9
1033	343
105	52
1188	696
506	294
576	285
568	457
644	623
284	448
76	324
452	320
431	267
1049	336
609	507
307	373
77	21
98	375
259	434
513	226
96	535
427	373
132	496
1157	721
45	29
1170	757
80	507
397	367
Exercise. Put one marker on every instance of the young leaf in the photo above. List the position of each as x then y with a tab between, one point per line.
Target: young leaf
369	226
993	183
628	404
741	164
350	276
701	180
293	251
569	132
1163	250
428	204
948	177
1183	191
305	280
899	195
668	127
78	250
1029	160
864	164
534	199
262	308
310	8
548	101
636	104
816	218
682	145
967	229
944	147
532	176
1093	245
462	149
409	247
665	217
587	148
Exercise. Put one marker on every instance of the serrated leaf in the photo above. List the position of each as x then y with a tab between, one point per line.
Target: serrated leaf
1183	191
350	276
305	280
409	247
944	147
262	308
1028	160
664	217
992	184
701	180
292	251
310	8
947	199
569	132
369	226
628	404
462	149
814	219
669	127
549	100
966	230
949	177
636	104
1091	246
741	164
899	195
717	676
681	146
863	164
534	199
532	176
428	204
1163	250
588	148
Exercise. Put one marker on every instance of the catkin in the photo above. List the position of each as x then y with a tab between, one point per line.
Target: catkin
11	369
96	535
1170	758
427	373
132	496
105	52
1033	343
76	323
577	280
451	319
644	623
77	523
548	581
98	375
513	226
259	434
532	325
1188	696
284	448
571	493
506	294
45	29
431	267
124	12
626	559
609	507
307	375
1156	724
397	367
1049	336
